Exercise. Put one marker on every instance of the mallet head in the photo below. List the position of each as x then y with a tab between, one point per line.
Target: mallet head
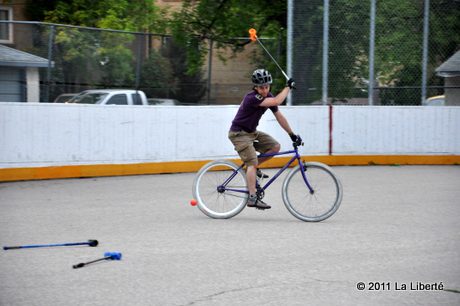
113	255
93	243
253	34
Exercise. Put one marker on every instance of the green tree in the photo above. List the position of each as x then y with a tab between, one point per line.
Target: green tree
98	58
74	58
398	45
139	15
157	76
189	86
222	21
35	10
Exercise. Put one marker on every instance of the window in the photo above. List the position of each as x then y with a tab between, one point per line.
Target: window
118	100
88	98
136	99
6	29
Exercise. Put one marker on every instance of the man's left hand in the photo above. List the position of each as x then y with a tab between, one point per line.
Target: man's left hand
296	139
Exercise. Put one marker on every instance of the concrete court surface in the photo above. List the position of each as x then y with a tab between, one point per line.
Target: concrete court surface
397	225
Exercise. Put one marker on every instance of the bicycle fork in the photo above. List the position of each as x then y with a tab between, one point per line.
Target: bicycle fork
303	170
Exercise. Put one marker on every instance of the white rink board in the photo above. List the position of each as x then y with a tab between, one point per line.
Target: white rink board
396	130
63	134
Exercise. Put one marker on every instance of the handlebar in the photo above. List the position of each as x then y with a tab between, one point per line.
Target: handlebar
297	144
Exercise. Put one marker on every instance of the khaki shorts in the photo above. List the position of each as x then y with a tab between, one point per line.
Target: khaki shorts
247	147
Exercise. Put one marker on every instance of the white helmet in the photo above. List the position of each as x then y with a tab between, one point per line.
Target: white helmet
261	77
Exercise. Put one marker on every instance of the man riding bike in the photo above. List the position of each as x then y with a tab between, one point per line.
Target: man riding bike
244	135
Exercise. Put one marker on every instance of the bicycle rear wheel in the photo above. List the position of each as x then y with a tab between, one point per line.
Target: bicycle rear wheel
314	206
216	200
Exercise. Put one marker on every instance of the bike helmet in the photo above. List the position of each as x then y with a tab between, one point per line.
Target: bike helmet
261	77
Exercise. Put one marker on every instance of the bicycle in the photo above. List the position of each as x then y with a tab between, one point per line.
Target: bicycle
311	191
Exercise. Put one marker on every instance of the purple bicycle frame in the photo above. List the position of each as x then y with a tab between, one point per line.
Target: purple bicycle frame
296	156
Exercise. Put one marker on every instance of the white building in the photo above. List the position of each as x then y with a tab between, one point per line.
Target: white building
450	71
19	77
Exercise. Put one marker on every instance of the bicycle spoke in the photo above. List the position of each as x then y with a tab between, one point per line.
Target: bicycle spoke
218	203
317	206
235	195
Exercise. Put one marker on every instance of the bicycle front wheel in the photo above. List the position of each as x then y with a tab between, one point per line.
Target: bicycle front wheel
220	189
318	204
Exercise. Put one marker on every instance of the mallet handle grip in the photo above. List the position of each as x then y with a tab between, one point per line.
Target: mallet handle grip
12	247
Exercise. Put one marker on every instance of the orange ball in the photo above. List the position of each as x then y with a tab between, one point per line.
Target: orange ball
193	202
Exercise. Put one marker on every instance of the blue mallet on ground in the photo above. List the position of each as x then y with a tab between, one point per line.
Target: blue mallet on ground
107	256
91	243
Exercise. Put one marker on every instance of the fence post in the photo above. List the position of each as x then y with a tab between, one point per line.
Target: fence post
278	48
426	29
50	61
325	50
290	9
371	54
208	84
140	43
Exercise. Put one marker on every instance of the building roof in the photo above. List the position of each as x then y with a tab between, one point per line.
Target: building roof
16	58
451	67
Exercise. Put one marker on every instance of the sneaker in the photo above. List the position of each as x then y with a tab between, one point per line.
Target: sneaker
259	204
260	174
262	205
252	201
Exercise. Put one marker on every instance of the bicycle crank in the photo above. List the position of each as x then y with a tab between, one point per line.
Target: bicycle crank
260	192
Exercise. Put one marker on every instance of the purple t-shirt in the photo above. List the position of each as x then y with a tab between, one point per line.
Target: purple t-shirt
248	115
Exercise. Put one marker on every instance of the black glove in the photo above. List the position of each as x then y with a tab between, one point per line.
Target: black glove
296	139
290	83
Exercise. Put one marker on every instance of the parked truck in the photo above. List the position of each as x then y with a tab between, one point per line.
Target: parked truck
111	97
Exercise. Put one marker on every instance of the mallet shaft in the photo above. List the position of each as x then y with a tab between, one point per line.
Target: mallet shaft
107	256
282	71
89	242
81	265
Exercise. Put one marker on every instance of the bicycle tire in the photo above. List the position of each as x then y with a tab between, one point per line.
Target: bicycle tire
220	204
306	206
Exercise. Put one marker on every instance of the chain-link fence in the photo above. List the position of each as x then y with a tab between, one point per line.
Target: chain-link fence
342	35
383	38
87	58
81	58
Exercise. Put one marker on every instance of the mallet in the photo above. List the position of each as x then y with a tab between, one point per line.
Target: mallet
91	243
253	37
107	256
